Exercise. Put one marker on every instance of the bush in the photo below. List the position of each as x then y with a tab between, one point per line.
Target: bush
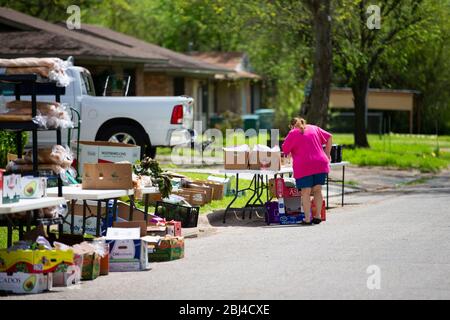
8	145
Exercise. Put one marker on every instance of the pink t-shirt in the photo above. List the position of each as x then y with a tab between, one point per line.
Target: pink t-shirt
307	152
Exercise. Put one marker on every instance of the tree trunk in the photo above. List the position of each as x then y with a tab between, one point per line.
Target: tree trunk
317	111
360	88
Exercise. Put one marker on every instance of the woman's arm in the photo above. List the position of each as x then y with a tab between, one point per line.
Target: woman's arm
328	147
287	144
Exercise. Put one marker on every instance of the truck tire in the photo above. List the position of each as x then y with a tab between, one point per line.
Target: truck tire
127	134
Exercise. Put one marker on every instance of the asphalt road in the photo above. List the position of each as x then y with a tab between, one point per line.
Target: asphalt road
403	236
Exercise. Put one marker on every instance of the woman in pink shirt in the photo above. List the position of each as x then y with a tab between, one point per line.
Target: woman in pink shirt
311	163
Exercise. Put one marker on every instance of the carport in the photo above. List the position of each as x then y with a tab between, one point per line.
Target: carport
378	99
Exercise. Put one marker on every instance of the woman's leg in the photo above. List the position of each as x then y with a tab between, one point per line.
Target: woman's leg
318	199
306	201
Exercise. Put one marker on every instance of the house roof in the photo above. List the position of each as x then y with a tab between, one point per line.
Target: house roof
74	43
237	61
175	60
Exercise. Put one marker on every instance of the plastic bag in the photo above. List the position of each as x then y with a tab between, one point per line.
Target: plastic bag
43	243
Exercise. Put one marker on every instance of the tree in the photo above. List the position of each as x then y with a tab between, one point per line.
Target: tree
316	107
360	45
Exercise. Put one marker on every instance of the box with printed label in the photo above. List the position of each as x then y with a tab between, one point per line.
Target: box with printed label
173	228
33	187
127	251
25	283
91	266
167	249
70	275
105	152
11	188
35	261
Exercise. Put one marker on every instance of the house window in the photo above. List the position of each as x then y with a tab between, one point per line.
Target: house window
178	86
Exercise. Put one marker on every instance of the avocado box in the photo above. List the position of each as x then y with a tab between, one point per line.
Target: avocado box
25	283
167	249
33	188
35	261
127	250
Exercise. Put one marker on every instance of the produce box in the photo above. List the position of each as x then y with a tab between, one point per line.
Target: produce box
70	276
193	196
218	188
105	152
25	283
167	249
265	158
201	187
11	188
286	219
127	251
107	176
157	231
35	261
278	189
33	187
226	182
174	228
142	225
91	266
236	158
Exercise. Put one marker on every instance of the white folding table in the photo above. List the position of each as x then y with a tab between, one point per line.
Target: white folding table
74	193
25	205
257	185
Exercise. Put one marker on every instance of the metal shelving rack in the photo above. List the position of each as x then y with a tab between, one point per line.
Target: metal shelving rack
28	85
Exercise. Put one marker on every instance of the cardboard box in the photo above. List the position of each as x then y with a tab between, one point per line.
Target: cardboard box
105	152
11	188
107	176
70	276
91	266
286	219
226	182
193	196
33	187
128	252
218	189
157	231
167	249
236	158
142	225
265	160
202	187
25	283
174	228
35	261
278	189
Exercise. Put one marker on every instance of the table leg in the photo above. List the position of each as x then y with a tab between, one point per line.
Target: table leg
10	231
72	216
115	210
84	217
99	218
343	179
234	199
20	230
146	198
132	205
107	214
327	191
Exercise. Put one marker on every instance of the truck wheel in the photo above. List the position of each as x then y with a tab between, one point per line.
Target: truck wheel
127	134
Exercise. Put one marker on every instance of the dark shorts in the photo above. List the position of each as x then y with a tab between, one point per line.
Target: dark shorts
311	181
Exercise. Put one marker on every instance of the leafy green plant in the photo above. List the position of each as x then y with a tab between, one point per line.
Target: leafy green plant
151	168
8	144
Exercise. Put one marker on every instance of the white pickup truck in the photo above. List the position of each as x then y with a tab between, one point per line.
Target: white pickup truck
145	121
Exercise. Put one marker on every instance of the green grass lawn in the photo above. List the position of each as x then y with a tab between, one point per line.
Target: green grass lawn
399	151
4	238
